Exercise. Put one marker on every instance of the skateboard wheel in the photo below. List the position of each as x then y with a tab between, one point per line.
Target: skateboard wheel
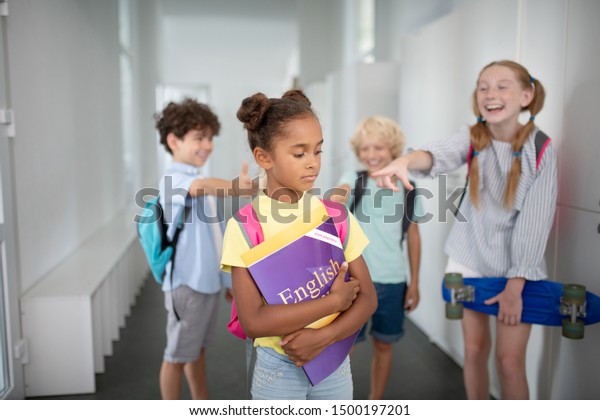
454	310
574	294
453	280
573	330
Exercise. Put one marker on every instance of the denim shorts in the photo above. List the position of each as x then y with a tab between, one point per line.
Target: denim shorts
387	323
275	377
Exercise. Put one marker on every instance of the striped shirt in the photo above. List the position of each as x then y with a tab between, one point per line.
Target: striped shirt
496	241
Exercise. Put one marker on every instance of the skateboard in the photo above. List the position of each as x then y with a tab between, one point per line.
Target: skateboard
545	302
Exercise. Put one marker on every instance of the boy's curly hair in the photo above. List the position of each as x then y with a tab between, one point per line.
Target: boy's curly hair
179	118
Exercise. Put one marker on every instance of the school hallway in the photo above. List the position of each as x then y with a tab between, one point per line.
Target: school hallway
421	371
81	82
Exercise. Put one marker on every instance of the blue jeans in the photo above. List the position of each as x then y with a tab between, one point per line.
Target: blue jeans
275	377
387	323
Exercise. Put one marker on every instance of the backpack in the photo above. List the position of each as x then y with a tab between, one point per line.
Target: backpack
409	201
541	141
252	230
152	234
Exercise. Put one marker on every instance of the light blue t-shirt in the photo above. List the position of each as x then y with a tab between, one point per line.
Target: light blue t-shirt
198	251
380	213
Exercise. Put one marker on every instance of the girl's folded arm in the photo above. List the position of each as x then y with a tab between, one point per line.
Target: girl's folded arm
261	320
361	310
305	344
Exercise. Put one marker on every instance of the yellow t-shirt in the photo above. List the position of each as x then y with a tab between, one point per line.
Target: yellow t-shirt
276	216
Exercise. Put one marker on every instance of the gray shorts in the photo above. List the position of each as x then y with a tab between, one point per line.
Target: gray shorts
196	326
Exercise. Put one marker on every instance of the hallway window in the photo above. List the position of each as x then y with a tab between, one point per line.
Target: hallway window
366	31
3	332
129	134
5	305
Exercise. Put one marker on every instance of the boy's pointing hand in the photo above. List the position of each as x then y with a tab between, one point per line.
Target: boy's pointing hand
244	185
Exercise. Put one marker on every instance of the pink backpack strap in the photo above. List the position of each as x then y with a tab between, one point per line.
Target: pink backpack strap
339	213
234	325
469	157
252	231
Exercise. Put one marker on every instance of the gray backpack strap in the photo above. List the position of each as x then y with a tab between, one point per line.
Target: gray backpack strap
541	142
250	361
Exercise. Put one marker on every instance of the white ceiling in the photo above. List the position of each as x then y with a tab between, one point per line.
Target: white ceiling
249	9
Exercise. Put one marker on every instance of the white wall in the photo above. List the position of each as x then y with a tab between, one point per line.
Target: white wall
64	77
398	18
355	92
321	29
574	371
147	70
70	175
236	48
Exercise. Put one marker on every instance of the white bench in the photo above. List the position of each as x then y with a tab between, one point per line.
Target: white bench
72	316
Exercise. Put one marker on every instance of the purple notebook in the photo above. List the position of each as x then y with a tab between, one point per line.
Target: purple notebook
303	270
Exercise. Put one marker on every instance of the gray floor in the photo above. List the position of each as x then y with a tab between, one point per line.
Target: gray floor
421	371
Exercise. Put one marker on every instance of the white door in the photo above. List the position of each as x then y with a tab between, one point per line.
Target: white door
11	346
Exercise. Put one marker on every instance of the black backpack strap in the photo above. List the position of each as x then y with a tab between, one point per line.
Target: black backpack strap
173	244
469	159
409	210
359	189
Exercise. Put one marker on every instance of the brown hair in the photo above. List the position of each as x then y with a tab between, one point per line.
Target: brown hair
383	128
266	119
481	136
179	118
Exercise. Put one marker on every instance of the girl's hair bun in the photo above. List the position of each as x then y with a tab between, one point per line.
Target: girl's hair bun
266	119
253	110
296	95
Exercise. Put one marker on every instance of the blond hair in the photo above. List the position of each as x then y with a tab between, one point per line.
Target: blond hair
481	136
382	128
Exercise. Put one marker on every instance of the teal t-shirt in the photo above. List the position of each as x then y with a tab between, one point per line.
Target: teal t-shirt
380	213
